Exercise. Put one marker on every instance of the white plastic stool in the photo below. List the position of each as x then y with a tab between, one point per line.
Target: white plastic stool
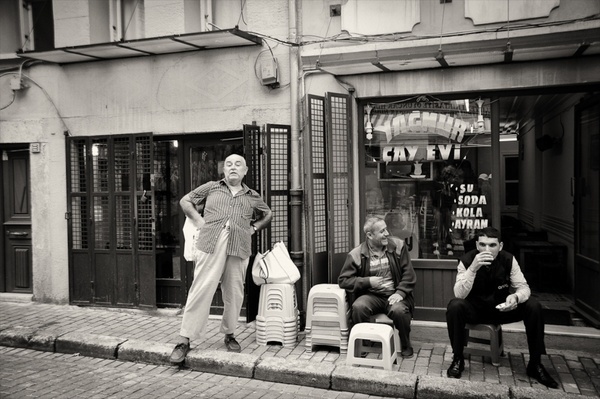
383	318
375	332
327	302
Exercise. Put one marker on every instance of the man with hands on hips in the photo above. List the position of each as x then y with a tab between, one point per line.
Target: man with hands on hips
379	277
490	288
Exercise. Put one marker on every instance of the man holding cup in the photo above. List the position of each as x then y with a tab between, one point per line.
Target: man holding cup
490	288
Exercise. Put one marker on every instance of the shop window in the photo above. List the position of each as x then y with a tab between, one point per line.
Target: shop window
427	172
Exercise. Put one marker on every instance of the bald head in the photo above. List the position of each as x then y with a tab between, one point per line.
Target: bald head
234	169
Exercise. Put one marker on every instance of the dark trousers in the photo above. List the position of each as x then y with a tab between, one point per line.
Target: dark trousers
460	312
368	305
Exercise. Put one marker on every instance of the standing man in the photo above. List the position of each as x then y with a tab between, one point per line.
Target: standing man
490	288
222	251
380	278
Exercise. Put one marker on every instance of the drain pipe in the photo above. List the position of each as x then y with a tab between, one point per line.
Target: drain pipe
296	192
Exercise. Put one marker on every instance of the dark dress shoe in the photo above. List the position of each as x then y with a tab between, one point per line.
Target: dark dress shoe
179	353
538	372
456	368
407	352
231	344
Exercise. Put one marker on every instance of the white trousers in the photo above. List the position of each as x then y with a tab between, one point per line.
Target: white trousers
208	270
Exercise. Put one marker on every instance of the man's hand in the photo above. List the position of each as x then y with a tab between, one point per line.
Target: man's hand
481	259
376	281
510	304
394	298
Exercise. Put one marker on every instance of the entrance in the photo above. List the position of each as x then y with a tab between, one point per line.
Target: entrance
111	221
179	167
15	217
587	210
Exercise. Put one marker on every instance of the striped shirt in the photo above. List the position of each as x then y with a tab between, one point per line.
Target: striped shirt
222	207
380	267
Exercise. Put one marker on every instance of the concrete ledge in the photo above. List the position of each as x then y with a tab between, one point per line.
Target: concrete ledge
145	352
226	363
537	393
430	387
374	381
43	340
86	344
17	337
297	372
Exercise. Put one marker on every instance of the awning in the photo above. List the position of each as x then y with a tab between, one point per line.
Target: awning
144	47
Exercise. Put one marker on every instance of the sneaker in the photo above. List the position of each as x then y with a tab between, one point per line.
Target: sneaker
179	353
456	368
231	344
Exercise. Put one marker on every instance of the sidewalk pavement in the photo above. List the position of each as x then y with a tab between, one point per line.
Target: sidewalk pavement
149	337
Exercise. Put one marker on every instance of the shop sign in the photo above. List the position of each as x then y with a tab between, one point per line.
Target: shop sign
469	211
411	153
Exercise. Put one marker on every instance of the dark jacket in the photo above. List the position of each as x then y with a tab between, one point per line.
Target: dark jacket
354	276
492	284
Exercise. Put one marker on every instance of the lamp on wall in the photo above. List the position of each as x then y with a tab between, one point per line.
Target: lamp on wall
369	125
480	122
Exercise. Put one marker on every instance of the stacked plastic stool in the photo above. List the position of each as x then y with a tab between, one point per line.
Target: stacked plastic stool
278	316
327	317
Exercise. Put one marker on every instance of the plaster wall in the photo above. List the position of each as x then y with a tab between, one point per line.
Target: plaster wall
195	92
71	23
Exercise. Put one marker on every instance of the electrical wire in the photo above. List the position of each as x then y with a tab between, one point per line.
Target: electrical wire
49	99
241	18
130	18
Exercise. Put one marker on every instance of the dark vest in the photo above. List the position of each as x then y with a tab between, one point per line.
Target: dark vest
492	283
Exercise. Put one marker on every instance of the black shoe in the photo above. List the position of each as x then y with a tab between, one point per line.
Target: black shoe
538	372
231	344
407	352
179	353
456	368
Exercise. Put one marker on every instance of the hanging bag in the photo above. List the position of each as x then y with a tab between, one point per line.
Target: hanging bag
275	267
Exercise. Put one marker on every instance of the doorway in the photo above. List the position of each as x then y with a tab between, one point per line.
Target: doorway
587	210
15	217
180	166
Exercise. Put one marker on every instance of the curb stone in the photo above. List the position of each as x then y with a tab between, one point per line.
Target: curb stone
297	372
134	350
226	363
379	383
430	387
17	336
536	393
86	344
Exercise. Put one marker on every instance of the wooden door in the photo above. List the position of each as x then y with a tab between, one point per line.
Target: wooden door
587	210
15	208
329	189
111	220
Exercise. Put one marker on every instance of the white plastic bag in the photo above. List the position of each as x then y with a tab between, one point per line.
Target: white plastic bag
190	234
275	267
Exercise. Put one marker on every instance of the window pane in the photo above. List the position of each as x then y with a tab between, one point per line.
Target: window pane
427	166
511	168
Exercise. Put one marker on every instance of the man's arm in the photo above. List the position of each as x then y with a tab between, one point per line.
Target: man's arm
190	211
350	278
464	281
264	220
518	284
409	277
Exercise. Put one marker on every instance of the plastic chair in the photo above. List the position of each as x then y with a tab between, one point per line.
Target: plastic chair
374	332
495	341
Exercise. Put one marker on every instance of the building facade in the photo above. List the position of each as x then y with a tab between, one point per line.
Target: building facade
440	116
